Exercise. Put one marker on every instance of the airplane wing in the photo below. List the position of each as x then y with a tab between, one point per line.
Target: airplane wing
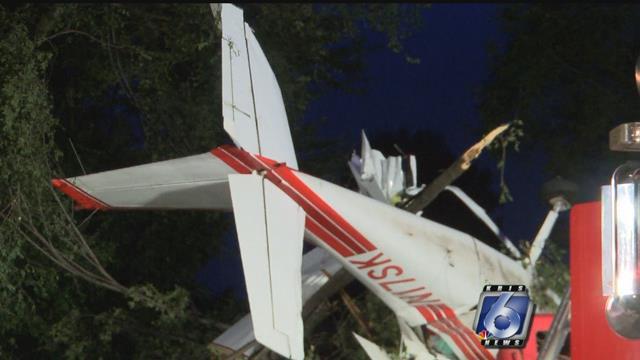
270	228
192	182
317	268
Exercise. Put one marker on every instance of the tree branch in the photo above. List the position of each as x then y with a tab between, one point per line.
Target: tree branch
426	196
93	38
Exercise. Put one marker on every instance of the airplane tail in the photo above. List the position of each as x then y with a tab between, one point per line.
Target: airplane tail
270	225
252	106
318	266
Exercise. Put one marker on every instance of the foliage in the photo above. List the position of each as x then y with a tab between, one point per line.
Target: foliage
511	138
91	87
552	272
26	127
333	337
567	73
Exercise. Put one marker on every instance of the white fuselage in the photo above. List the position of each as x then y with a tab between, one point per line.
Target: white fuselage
416	261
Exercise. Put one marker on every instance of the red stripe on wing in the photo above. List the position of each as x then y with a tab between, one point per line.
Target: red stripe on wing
82	199
222	153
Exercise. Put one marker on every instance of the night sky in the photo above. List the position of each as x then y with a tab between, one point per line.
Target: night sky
439	94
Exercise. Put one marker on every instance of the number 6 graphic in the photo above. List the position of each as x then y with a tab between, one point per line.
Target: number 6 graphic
498	309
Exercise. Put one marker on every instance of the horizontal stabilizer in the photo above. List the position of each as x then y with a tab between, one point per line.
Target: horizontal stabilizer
270	229
192	182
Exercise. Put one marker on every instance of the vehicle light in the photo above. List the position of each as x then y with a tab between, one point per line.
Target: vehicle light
621	236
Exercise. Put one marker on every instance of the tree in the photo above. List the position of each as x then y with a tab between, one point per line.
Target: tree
96	87
567	73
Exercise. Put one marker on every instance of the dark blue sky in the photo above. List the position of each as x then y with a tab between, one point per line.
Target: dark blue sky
440	94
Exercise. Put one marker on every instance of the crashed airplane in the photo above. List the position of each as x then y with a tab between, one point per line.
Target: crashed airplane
428	274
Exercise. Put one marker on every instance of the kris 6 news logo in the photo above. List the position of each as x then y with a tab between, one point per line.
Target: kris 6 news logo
503	318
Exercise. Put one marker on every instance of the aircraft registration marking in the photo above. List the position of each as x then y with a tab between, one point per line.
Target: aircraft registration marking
380	269
327	225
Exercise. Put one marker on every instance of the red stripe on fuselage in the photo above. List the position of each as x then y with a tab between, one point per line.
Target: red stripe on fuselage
455	338
325	214
449	318
434	319
317	228
327	225
322	234
446	322
426	313
316	208
469	334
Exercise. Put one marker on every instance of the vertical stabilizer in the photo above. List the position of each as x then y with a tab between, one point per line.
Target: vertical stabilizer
252	106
